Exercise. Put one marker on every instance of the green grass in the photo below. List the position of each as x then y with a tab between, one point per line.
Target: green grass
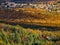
17	35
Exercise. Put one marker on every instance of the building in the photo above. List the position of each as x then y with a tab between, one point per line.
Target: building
11	4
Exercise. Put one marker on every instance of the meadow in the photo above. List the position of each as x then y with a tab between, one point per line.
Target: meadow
31	16
11	34
17	35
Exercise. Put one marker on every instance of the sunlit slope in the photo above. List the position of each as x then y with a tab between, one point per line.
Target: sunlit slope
31	16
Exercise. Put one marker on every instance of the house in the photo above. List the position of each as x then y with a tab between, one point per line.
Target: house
11	4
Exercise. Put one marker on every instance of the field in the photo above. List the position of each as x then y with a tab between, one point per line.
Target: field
17	35
31	16
27	26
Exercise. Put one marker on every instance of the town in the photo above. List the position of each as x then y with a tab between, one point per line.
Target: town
50	6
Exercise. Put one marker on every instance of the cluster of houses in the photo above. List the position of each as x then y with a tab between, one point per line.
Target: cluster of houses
49	7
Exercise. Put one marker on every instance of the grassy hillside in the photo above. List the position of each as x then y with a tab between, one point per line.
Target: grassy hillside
17	35
31	16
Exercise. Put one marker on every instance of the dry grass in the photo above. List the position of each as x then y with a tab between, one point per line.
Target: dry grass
31	16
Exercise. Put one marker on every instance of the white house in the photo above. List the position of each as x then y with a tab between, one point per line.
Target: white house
11	4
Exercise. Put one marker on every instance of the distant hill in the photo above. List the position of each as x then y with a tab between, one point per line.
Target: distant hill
27	0
31	0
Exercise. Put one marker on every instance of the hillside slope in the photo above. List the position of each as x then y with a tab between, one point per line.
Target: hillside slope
17	35
31	16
